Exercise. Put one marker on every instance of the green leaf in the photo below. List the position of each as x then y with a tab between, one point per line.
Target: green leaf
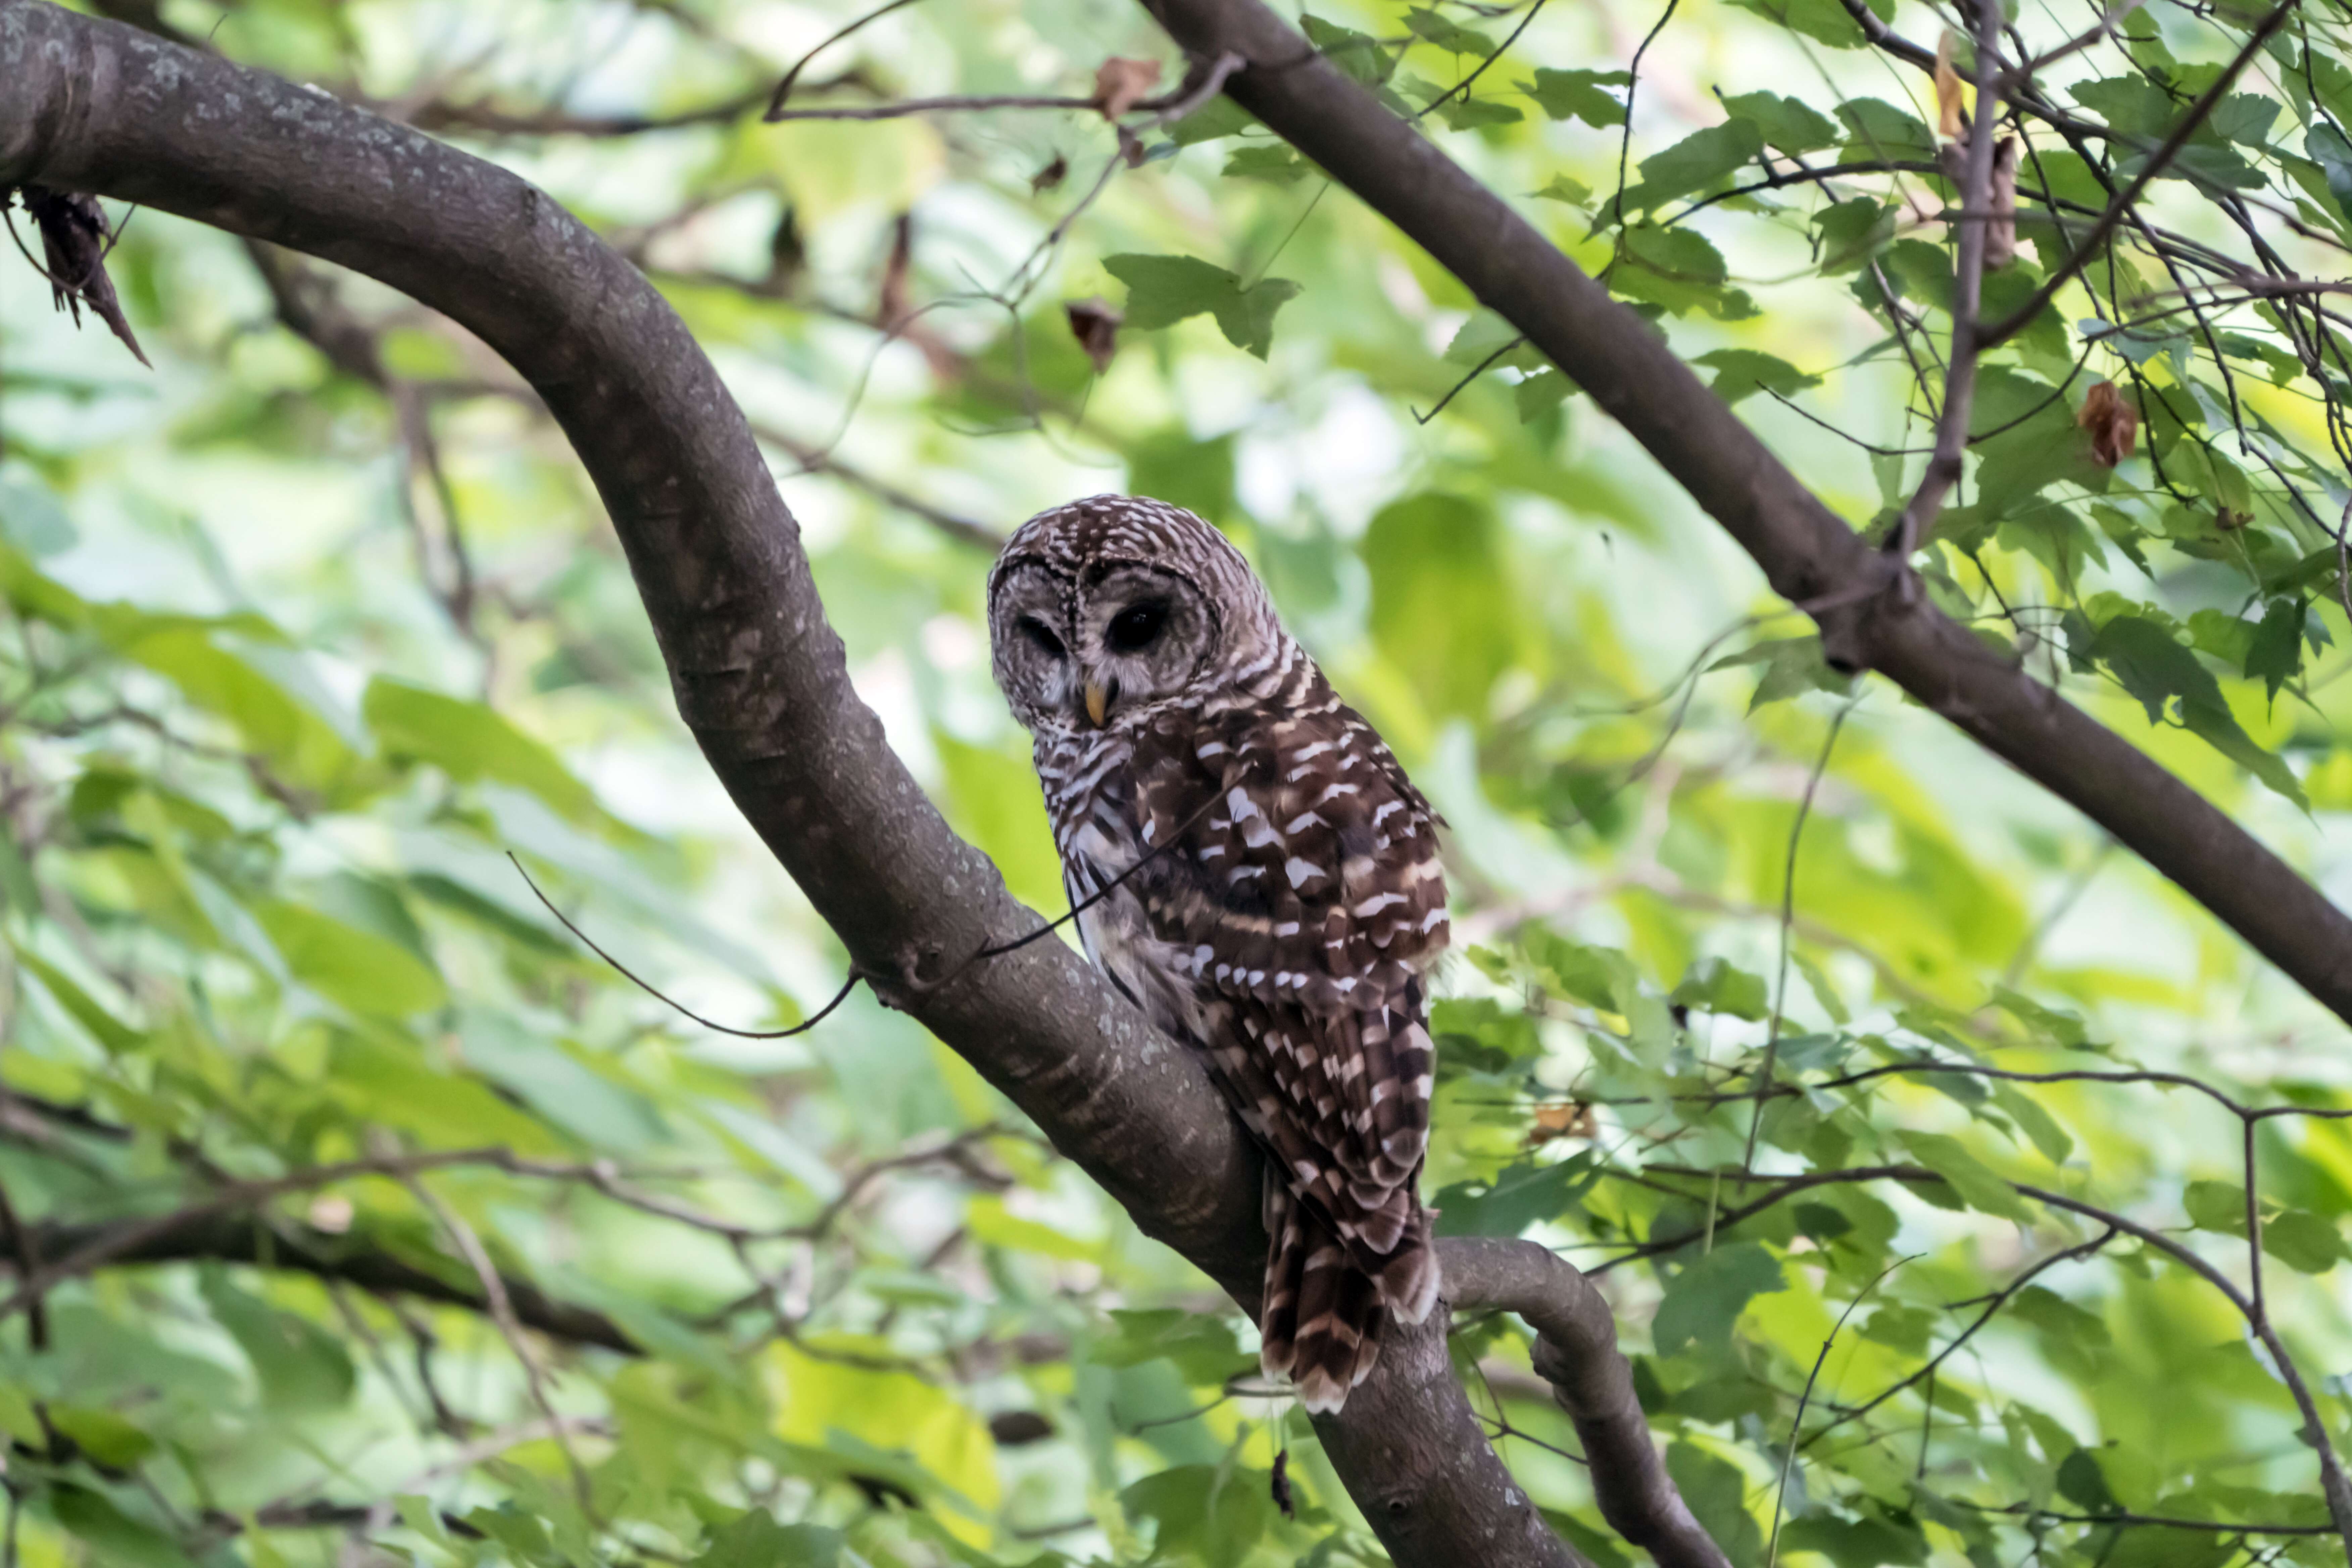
1975	1184
1520	1196
1789	124
1277	165
1577	95
1165	289
2081	1482
1876	129
469	742
1714	986
1716	1491
2333	153
1201	1345
300	1364
1219	117
2131	104
110	1031
1208	1512
1538	394
1741	372
1680	269
2245	117
2039	1126
1792	666
115	1539
1856	1542
2274	656
1707	1295
1434	26
757	1541
1853	232
1696	161
2056	1316
2303	1240
1823	21
1356	54
2158	671
2296	1237
353	968
1469	113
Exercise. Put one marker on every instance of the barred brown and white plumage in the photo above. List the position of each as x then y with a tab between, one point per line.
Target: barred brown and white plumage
1287	927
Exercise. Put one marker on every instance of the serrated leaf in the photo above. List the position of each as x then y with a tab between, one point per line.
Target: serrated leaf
2275	654
2160	672
1742	373
1577	94
1696	161
1705	1297
1521	1195
1715	985
1165	289
1789	124
1680	269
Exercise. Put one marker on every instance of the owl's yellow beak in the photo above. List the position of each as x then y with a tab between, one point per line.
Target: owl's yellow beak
1098	702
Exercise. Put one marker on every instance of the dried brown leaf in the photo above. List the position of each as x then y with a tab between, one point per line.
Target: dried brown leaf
1951	107
1121	84
74	242
2113	423
1095	326
2000	226
1573	1120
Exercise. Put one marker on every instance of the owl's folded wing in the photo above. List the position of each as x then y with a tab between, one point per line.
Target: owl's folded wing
1306	895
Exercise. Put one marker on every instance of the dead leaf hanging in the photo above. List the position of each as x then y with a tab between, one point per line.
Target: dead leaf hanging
1121	84
2113	423
1095	326
2001	222
74	243
1951	111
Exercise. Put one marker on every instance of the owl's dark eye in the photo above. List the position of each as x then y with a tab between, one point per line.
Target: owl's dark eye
1135	628
1041	637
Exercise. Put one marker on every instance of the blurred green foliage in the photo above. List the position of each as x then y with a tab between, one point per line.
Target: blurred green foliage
292	663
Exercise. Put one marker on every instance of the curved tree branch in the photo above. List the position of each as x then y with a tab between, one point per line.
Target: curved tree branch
1871	615
759	674
1576	1351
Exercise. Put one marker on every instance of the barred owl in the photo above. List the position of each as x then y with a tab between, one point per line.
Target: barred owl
1285	904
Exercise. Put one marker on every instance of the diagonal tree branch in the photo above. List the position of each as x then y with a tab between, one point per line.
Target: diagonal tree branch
760	677
1809	555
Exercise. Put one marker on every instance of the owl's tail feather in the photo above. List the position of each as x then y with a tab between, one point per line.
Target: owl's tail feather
1325	1307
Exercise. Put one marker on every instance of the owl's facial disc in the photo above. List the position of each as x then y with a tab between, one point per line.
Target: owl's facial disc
1030	636
1142	635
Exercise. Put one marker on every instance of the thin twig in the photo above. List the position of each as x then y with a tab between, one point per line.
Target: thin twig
1797	1421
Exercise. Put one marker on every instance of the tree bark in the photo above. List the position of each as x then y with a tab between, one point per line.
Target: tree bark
758	676
1872	612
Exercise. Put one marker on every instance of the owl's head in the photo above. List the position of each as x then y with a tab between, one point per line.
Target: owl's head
1102	611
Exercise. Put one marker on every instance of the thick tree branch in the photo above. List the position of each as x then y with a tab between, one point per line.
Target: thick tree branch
760	677
1809	555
